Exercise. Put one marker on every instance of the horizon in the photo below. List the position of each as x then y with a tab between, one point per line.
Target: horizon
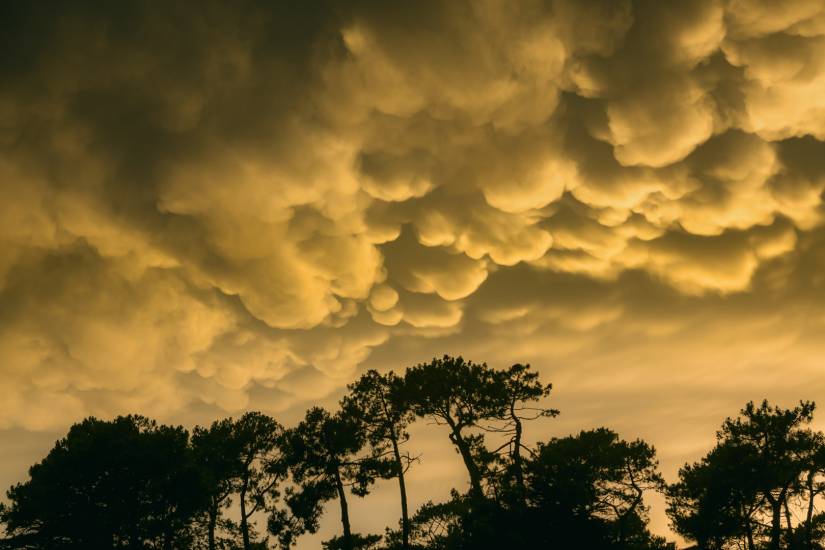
379	508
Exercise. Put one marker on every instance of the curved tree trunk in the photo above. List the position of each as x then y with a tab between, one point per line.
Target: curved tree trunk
467	456
518	467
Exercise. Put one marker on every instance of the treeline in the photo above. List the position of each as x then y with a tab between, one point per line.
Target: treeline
250	483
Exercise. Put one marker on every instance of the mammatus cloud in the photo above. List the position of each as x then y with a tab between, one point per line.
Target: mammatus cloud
198	202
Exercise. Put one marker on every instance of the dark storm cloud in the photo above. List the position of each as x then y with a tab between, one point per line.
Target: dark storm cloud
200	200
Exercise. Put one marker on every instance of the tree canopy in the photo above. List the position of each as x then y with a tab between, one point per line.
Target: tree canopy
758	487
131	483
127	483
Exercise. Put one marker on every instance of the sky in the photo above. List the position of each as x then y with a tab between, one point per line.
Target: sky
212	207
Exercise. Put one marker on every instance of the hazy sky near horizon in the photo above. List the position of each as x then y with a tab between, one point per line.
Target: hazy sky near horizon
209	207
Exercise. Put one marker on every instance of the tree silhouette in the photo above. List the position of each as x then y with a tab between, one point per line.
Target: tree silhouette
593	485
260	468
772	435
813	465
437	525
767	469
522	391
378	402
459	394
106	485
583	491
717	500
216	453
131	483
321	454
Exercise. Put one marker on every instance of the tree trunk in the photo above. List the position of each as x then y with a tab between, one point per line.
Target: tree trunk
405	520
213	520
791	541
244	522
776	519
776	528
342	498
631	509
749	533
516	457
810	513
467	456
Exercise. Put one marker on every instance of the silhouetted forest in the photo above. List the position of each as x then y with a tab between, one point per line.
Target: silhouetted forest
251	483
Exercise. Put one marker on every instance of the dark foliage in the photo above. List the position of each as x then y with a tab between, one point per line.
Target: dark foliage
384	412
130	483
759	487
321	455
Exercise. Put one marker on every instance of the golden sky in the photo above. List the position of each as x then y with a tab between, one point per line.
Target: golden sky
208	207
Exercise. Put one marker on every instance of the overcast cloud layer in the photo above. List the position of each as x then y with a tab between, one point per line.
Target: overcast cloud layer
208	206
